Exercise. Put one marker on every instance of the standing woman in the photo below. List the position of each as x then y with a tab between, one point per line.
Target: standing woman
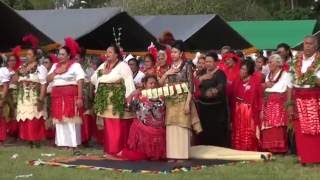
285	53
66	78
181	114
275	120
11	98
213	104
230	64
31	93
4	83
114	82
162	64
246	107
149	64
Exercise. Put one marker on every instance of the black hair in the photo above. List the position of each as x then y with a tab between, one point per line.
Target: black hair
239	54
34	52
178	44
135	61
150	56
248	59
67	49
82	52
149	76
286	47
250	66
117	51
264	59
214	55
2	61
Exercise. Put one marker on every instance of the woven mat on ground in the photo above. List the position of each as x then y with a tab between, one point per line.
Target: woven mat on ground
100	163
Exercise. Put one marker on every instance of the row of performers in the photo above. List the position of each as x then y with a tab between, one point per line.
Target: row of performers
162	127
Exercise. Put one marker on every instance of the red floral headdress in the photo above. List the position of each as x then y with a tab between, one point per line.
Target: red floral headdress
152	49
33	40
231	55
16	52
53	58
73	46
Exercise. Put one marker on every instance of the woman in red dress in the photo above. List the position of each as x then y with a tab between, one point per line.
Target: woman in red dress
149	64
31	114
4	84
230	64
275	120
246	107
147	138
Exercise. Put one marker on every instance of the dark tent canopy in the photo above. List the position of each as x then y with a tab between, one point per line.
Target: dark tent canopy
14	27
202	32
92	28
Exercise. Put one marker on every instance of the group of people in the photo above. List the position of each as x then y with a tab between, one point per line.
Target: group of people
159	109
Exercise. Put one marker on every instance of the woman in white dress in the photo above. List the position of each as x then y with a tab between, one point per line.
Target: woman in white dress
66	78
114	82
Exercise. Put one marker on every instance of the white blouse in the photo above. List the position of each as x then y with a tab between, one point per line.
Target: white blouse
282	85
138	78
74	74
120	71
4	75
39	76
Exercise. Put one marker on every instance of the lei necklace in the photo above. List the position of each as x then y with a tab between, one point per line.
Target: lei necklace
107	67
69	63
270	78
309	77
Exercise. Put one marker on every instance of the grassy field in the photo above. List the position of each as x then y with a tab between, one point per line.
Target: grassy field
281	168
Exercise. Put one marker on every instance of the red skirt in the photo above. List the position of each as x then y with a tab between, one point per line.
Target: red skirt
63	102
116	133
275	139
13	128
87	127
3	129
99	136
244	128
147	140
32	130
308	146
50	133
308	110
274	113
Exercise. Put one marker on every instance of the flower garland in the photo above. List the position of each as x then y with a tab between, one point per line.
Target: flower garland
270	78
26	88
110	94
69	64
309	77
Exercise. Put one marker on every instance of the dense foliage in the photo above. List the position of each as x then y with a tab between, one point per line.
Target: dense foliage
229	9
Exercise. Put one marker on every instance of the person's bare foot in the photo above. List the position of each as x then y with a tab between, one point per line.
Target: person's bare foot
111	157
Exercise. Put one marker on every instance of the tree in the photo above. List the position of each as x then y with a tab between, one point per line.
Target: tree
20	4
228	9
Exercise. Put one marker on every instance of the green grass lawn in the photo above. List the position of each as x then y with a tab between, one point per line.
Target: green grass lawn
281	168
